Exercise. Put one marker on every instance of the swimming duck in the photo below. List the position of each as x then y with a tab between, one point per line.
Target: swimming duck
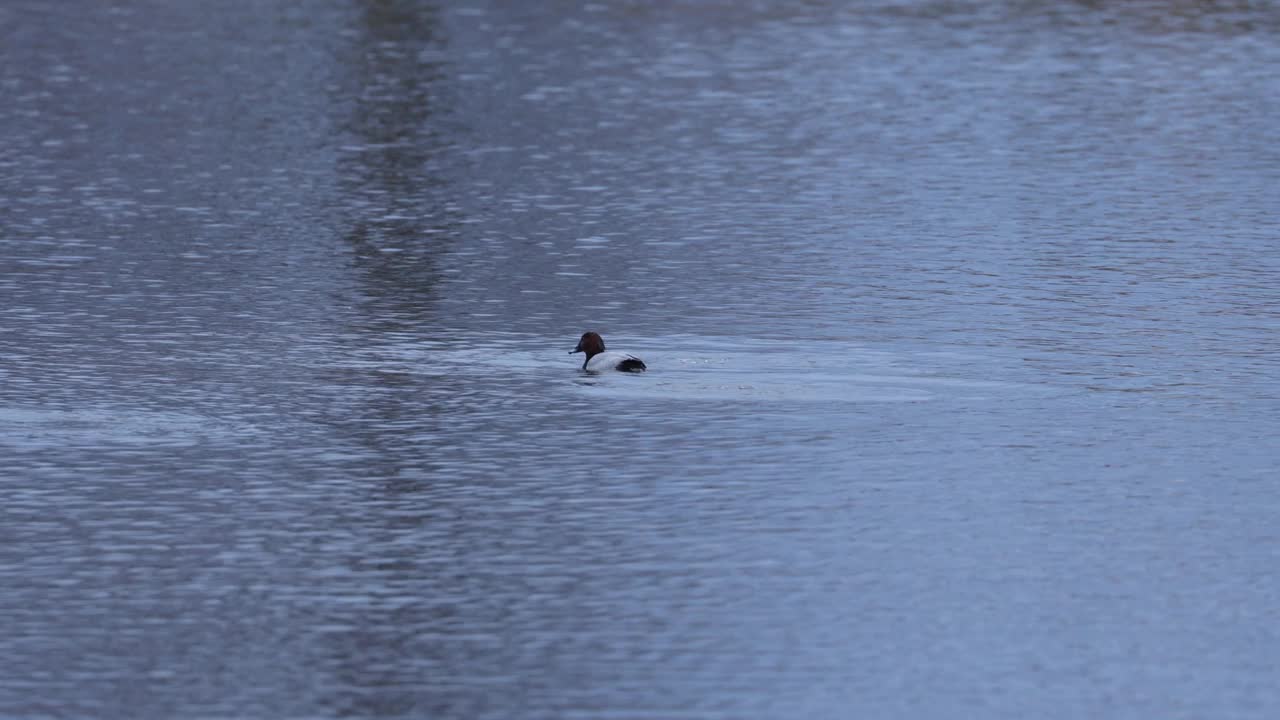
600	361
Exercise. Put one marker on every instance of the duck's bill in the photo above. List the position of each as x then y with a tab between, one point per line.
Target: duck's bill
575	351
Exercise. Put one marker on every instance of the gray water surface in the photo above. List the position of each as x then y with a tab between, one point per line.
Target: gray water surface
960	319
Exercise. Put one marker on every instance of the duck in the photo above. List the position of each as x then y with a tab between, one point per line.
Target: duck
600	361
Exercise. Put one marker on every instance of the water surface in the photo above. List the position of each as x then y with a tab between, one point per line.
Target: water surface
959	317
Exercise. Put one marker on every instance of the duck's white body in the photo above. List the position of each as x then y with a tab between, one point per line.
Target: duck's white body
607	361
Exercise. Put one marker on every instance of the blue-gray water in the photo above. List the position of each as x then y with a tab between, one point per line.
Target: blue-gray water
961	321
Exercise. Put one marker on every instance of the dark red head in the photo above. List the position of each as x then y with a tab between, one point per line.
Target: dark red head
591	344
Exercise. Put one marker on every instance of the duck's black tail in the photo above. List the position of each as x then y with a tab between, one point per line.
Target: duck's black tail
632	365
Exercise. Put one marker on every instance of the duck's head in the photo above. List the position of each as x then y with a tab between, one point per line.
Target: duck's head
591	343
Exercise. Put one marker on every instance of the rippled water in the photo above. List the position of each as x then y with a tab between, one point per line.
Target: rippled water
960	320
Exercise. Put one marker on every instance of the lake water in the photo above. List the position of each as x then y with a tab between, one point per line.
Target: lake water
961	321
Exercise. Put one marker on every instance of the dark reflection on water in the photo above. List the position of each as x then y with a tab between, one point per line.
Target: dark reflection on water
959	317
393	195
